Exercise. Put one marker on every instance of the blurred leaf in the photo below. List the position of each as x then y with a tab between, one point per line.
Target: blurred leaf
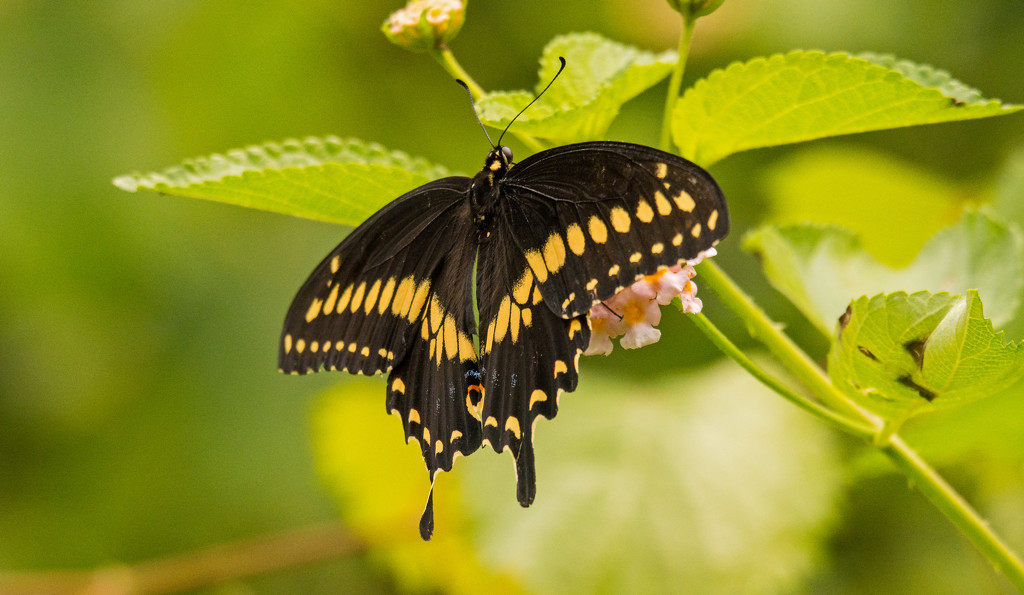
381	484
600	75
707	484
329	179
892	205
806	95
899	354
821	268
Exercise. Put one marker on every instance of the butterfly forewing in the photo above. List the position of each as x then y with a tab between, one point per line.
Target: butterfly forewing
395	296
594	217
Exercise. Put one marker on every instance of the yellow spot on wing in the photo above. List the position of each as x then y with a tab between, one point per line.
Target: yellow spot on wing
314	309
512	424
287	343
598	231
713	220
536	295
521	292
620	219
695	232
414	415
451	338
537	264
664	207
466	352
592	285
635	257
501	321
537	396
438	447
300	345
574	327
661	170
684	201
365	351
577	243
436	315
371	297
677	240
338	345
613	270
491	421
345	297
352	347
455	436
644	212
513	322
527	317
335	264
314	346
560	367
332	300
357	299
403	297
426	435
385	296
554	252
398	386
658	248
419	299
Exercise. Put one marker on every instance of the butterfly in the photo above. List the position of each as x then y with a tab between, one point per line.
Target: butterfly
472	294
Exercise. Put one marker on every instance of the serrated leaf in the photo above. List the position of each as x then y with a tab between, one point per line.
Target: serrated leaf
600	75
703	485
900	354
821	268
806	95
329	179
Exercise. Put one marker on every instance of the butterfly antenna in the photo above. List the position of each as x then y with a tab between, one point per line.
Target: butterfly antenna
560	69
473	104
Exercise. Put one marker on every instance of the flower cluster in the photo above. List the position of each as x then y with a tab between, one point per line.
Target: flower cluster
635	311
425	24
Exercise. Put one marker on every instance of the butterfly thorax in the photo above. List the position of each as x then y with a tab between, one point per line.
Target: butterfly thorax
483	192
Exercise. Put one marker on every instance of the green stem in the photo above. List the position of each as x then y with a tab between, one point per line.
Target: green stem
766	331
942	495
446	59
676	82
859	429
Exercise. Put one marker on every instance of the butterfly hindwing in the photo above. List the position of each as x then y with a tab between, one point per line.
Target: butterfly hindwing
594	217
529	355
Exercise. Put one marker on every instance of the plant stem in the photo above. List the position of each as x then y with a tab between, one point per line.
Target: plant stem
676	82
196	570
446	59
857	428
766	331
942	495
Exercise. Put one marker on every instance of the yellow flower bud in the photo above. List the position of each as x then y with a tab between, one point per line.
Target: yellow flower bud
425	24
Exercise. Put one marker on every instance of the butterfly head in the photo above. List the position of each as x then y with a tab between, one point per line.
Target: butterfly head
498	161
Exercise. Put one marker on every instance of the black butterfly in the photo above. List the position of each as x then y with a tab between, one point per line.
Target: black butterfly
545	239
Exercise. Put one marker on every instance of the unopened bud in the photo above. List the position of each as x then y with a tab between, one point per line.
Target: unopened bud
425	24
695	8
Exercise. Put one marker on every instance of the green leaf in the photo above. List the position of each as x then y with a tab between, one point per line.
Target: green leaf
329	179
806	95
706	484
821	268
600	75
900	354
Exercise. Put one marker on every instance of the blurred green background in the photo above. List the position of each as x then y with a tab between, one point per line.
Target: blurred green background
141	413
